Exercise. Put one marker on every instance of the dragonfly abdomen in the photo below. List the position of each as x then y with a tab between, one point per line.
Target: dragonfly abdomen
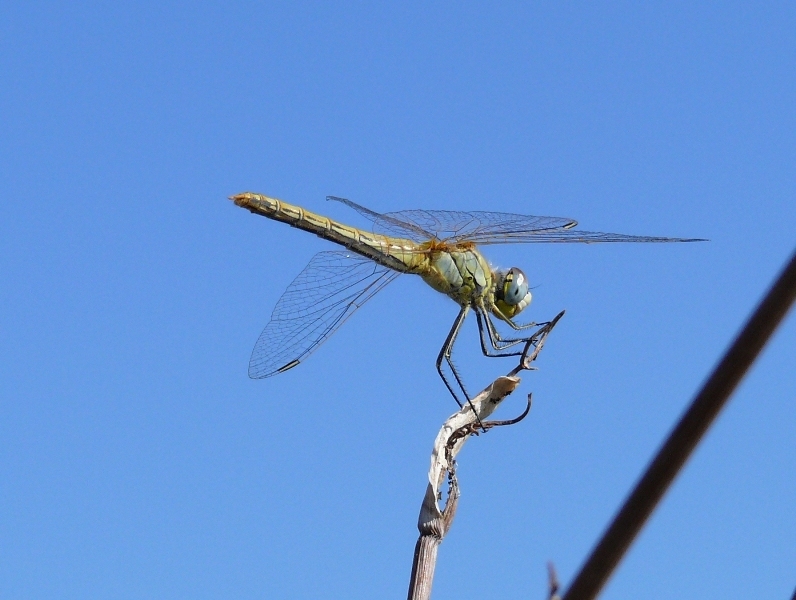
395	253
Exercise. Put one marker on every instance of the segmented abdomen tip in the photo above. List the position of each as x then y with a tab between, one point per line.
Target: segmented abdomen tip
241	199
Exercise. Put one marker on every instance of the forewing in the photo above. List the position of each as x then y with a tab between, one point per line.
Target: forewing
487	227
459	226
569	236
328	291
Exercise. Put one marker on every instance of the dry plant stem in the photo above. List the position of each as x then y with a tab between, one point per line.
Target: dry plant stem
552	583
434	522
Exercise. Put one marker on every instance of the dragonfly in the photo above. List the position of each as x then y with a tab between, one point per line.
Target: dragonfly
440	246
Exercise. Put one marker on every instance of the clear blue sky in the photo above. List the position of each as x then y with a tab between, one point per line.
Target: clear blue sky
137	460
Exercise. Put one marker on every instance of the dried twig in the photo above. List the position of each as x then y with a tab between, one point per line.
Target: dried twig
553	584
434	521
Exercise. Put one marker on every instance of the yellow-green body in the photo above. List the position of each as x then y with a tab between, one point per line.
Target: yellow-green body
439	246
459	271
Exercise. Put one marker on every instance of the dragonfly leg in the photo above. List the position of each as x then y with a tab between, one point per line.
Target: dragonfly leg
512	324
445	354
499	346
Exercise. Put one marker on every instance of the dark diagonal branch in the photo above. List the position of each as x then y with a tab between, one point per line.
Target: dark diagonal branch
686	435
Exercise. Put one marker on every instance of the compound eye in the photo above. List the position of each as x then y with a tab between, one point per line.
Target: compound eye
515	288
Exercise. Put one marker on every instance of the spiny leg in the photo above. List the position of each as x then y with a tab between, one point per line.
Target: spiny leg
512	324
445	354
487	329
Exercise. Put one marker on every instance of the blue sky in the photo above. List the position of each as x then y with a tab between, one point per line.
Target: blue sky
137	460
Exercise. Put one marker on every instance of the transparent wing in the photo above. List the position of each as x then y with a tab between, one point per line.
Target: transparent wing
484	228
568	236
478	226
389	224
487	227
328	291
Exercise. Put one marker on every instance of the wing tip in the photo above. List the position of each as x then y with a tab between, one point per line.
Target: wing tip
256	372
288	366
684	240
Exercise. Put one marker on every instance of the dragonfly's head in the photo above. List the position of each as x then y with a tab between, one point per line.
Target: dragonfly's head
511	292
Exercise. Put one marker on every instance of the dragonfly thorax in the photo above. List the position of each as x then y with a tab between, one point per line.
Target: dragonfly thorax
463	274
511	291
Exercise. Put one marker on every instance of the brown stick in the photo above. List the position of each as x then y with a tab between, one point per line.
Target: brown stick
684	438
